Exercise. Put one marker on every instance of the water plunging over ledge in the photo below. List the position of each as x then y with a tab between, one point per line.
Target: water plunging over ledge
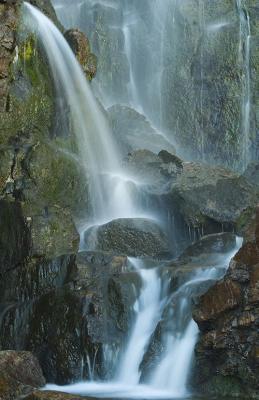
98	152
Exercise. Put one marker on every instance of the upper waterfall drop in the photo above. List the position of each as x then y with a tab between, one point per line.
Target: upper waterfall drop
98	152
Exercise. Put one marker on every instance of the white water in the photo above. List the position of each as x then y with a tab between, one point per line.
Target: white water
99	156
149	308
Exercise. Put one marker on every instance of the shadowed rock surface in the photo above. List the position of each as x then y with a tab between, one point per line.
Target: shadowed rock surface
20	373
228	317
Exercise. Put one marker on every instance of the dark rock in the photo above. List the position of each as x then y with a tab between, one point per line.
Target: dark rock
20	373
228	317
68	310
136	237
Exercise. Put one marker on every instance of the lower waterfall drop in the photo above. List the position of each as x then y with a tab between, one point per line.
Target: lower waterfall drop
169	379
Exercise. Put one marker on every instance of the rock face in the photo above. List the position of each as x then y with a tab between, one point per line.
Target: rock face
133	131
135	237
197	65
228	315
20	373
8	25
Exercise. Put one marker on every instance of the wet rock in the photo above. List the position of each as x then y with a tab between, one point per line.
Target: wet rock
49	395
222	297
68	311
136	237
80	45
209	251
228	317
134	132
20	373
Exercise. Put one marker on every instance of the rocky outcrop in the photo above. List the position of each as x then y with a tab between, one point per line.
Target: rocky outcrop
228	315
134	237
20	373
81	48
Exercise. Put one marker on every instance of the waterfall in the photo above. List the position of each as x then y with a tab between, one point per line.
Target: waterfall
111	198
99	155
244	54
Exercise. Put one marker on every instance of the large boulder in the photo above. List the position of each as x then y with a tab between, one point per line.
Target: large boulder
228	317
20	373
134	237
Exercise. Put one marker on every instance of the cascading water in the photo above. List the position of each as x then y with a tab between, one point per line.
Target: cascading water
98	153
149	308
